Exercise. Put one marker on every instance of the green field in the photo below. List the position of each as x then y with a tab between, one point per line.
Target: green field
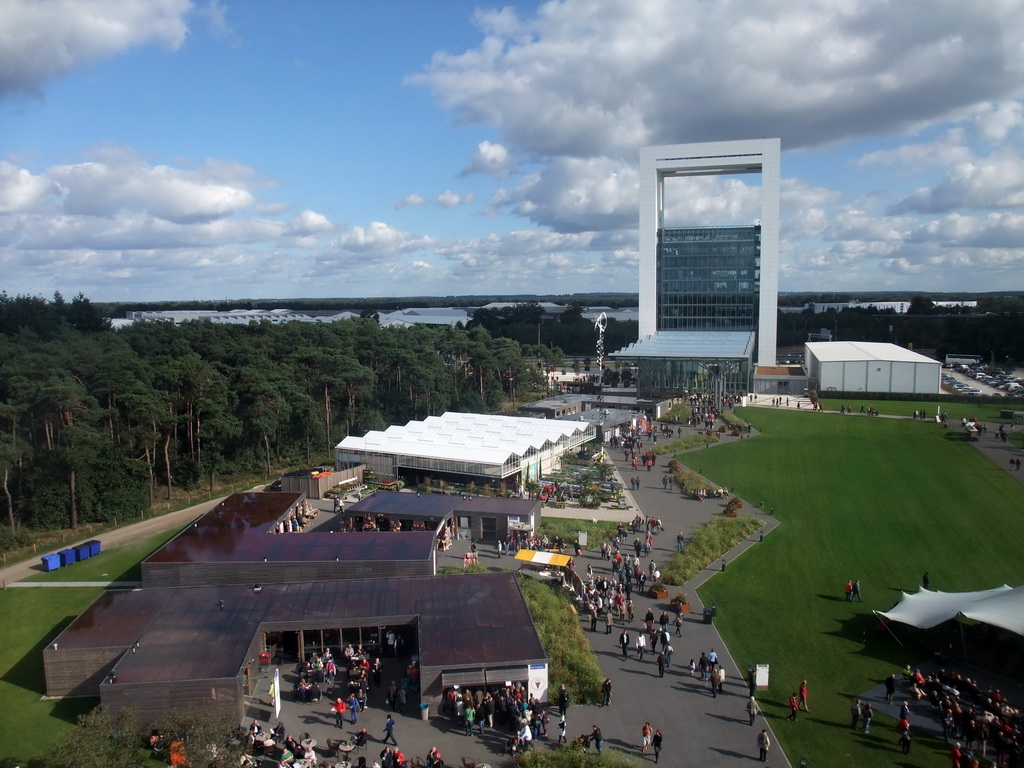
876	499
31	618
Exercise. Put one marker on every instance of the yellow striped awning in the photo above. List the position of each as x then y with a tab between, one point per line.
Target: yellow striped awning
542	558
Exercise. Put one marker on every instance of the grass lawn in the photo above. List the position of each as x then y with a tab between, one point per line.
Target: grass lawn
880	500
117	564
31	618
988	412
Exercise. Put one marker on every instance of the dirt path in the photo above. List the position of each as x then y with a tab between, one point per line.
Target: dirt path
118	536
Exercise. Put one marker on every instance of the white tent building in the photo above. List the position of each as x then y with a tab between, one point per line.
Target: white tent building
489	448
867	366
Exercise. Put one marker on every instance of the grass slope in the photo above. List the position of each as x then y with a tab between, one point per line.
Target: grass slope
882	500
31	619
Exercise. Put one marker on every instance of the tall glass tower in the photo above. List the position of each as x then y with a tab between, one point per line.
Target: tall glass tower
708	295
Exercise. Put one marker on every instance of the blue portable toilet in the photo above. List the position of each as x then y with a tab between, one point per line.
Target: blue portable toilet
94	547
83	551
67	556
51	562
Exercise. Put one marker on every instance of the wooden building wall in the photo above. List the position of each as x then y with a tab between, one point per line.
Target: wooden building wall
78	671
221	697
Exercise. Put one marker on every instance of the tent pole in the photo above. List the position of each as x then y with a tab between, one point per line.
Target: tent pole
882	621
963	641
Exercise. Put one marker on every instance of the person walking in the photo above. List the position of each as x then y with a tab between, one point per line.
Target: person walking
803	696
753	709
763	743
561	731
794	706
389	730
715	679
645	738
855	713
866	715
339	713
905	739
624	644
606	690
890	688
597	739
608	618
661	664
656	741
563	700
641	645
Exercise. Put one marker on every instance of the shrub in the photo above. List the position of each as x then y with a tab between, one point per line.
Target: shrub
571	757
570	657
679	599
684	443
707	544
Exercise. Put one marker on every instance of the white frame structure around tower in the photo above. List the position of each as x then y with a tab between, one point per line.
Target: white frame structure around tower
716	158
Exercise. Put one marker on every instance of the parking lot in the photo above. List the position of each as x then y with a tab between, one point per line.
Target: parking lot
1003	382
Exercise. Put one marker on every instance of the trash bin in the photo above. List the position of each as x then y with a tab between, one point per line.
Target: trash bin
424	711
709	615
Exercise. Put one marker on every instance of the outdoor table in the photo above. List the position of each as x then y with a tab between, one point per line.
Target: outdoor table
308	743
346	747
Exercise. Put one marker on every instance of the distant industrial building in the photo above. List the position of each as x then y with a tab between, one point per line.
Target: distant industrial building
859	366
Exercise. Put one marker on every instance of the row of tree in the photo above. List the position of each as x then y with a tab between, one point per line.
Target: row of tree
96	423
995	335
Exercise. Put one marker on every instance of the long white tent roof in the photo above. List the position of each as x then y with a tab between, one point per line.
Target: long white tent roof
1001	607
471	437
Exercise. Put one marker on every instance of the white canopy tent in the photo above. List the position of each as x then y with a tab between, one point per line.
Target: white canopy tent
1001	607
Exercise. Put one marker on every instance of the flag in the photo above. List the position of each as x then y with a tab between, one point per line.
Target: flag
275	687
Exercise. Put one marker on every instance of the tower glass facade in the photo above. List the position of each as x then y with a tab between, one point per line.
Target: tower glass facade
708	278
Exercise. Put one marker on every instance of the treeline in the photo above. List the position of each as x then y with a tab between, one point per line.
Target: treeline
96	423
552	339
998	334
615	300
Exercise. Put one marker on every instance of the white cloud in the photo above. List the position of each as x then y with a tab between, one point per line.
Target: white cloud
573	195
917	156
43	39
410	200
20	191
490	158
380	238
309	223
586	78
449	199
996	181
995	122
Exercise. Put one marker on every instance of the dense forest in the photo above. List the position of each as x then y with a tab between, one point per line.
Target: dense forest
95	423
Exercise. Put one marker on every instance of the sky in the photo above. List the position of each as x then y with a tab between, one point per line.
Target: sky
227	149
